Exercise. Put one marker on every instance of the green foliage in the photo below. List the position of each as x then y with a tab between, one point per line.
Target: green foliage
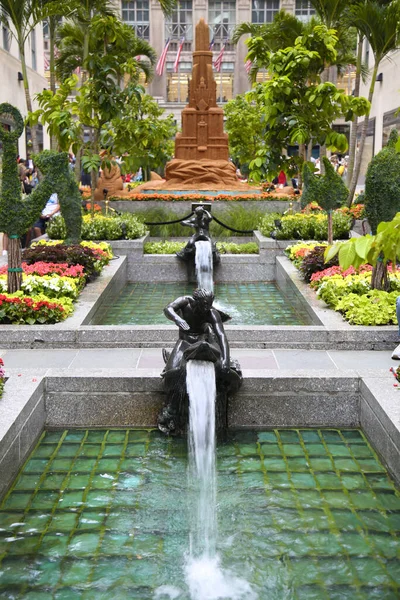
244	129
236	216
141	134
328	190
164	247
126	226
384	246
17	215
295	106
55	167
168	247
374	308
302	226
382	184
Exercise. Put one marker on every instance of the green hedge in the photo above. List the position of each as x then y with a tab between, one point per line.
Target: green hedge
302	226
166	247
126	226
382	184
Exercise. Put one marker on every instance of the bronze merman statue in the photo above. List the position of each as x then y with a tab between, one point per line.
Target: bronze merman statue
200	221
201	337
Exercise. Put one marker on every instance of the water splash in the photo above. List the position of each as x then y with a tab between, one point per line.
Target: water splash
204	575
204	265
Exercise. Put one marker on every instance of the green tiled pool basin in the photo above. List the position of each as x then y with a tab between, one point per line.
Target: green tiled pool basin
302	515
247	304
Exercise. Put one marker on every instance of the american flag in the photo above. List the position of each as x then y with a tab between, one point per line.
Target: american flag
46	63
248	64
161	61
178	55
212	43
218	60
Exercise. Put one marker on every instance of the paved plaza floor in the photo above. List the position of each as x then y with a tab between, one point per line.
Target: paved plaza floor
151	358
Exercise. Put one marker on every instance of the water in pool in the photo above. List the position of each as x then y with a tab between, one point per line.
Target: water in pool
302	515
247	304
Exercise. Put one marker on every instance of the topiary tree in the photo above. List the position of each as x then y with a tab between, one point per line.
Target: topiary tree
55	167
329	190
16	215
382	184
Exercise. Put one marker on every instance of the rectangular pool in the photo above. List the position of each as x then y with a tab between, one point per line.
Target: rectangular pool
102	514
259	303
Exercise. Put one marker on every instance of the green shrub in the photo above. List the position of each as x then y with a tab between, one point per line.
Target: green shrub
382	184
373	308
166	247
126	226
236	216
303	226
329	190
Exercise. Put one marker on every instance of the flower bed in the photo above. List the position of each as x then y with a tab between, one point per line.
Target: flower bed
349	291
305	226
167	247
101	227
53	276
201	197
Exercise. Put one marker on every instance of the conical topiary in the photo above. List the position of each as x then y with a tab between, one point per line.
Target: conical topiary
328	190
382	184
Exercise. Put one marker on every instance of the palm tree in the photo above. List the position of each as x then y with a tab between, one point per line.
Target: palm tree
76	43
379	25
21	17
269	37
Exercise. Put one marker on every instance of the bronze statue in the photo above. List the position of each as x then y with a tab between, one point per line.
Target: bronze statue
200	221
201	337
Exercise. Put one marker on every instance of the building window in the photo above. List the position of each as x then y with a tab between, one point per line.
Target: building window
136	14
180	25
222	21
33	50
304	11
6	38
347	81
224	83
178	87
263	11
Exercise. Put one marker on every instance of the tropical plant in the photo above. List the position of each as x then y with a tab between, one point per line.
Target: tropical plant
244	130
376	250
295	106
141	134
379	25
21	18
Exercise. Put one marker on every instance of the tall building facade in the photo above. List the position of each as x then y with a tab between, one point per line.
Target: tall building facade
222	16
12	86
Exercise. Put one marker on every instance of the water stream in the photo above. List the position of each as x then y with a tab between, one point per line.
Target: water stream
205	577
204	265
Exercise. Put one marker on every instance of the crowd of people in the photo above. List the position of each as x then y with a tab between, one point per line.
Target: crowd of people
339	163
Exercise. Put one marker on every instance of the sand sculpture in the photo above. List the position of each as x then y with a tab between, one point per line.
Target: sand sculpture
201	149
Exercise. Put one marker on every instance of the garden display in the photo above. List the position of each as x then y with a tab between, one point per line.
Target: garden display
348	291
53	275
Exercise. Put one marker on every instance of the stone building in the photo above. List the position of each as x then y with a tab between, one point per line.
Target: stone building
12	87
